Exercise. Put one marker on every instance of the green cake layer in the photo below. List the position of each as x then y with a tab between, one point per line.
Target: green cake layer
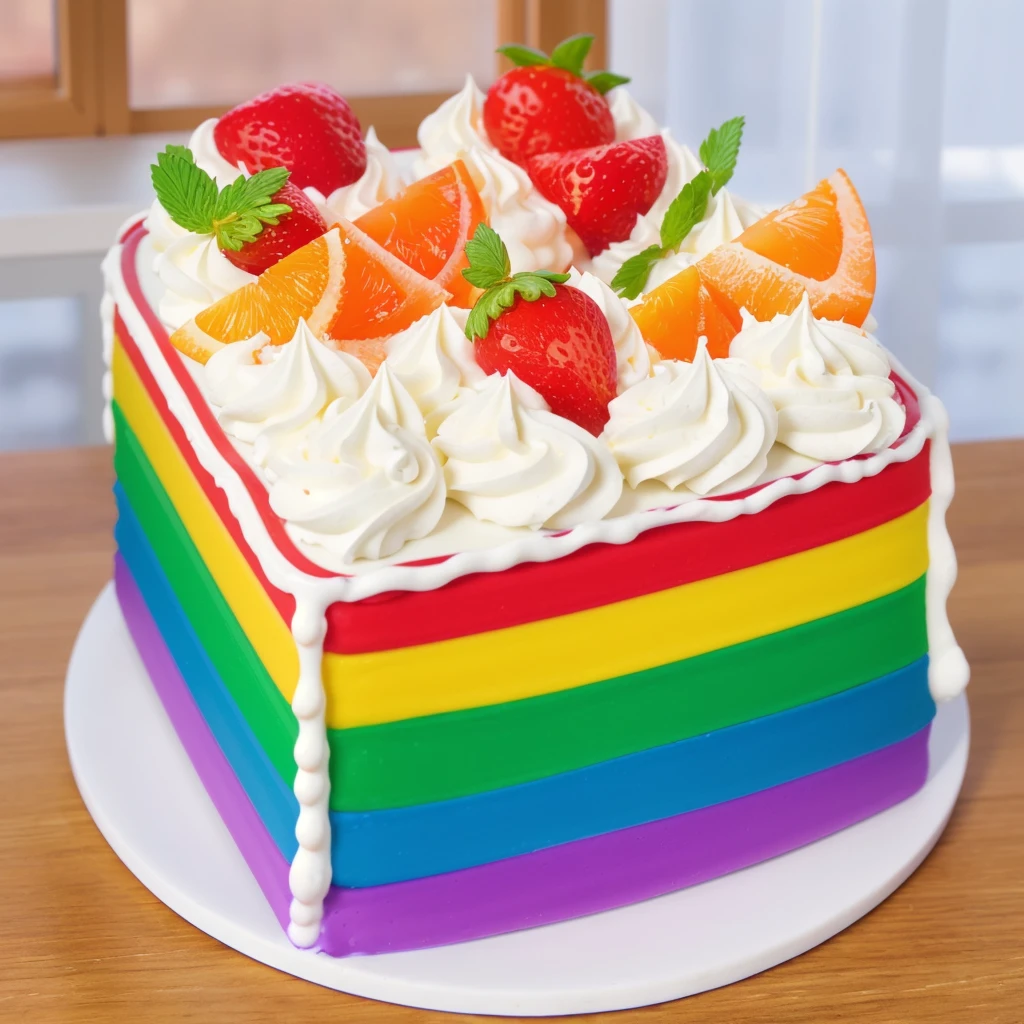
438	757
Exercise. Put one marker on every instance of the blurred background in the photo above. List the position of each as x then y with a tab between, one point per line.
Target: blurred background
922	101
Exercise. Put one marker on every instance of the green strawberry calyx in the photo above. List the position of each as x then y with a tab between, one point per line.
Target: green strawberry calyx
568	55
235	214
490	269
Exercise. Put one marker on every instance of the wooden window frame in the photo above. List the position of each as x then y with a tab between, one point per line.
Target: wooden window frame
90	95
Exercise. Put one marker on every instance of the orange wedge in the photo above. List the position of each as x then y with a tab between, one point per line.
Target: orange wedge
819	244
306	283
381	295
346	286
426	226
674	315
371	352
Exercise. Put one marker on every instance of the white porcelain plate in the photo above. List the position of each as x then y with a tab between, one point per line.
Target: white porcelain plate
123	749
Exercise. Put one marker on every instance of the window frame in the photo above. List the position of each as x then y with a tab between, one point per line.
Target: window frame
90	94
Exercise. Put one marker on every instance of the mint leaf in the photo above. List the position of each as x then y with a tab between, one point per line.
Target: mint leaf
488	258
719	150
572	52
630	278
183	151
523	56
603	81
686	210
185	191
236	214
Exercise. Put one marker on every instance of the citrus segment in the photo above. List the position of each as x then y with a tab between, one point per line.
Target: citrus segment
426	226
306	283
380	295
674	315
819	244
371	352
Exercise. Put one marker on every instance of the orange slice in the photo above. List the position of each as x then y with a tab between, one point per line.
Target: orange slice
674	315
819	244
371	352
381	294
306	283
346	286
426	226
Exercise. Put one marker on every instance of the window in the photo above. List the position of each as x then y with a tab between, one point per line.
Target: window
84	67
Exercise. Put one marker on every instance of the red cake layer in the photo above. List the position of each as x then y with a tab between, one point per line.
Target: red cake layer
596	575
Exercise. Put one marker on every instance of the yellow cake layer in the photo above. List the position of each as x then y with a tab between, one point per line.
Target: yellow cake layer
537	657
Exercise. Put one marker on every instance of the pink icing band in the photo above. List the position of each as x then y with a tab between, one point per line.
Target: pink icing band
552	885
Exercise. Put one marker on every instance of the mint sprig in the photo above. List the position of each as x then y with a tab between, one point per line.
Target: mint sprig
686	211
489	268
568	55
235	214
718	153
719	150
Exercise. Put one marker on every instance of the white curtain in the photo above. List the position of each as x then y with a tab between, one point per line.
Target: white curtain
922	102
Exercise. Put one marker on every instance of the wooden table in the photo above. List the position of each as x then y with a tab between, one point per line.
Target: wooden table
82	940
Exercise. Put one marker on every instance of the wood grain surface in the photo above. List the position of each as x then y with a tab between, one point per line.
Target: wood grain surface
82	940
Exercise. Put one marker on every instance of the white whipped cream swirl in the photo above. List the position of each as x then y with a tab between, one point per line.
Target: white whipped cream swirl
705	425
631	120
632	354
533	229
192	269
380	181
265	394
364	479
512	461
434	359
828	380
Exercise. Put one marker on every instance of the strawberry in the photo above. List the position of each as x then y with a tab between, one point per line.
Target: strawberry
549	103
553	337
307	127
292	231
605	188
256	221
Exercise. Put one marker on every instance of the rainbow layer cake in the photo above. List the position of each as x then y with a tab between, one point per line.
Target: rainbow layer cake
523	526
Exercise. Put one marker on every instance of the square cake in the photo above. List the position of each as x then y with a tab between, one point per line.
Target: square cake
529	573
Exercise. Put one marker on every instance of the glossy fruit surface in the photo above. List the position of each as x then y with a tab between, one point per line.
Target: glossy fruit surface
544	109
275	241
819	244
602	190
673	316
307	283
380	295
427	225
307	127
562	347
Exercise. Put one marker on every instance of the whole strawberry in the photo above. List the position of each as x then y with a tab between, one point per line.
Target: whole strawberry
603	190
256	221
306	127
553	337
547	103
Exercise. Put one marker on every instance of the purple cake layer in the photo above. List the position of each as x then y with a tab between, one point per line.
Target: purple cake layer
265	861
551	885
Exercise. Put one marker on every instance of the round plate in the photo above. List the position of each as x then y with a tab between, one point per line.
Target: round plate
124	751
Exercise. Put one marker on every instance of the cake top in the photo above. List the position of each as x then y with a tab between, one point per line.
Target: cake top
550	314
